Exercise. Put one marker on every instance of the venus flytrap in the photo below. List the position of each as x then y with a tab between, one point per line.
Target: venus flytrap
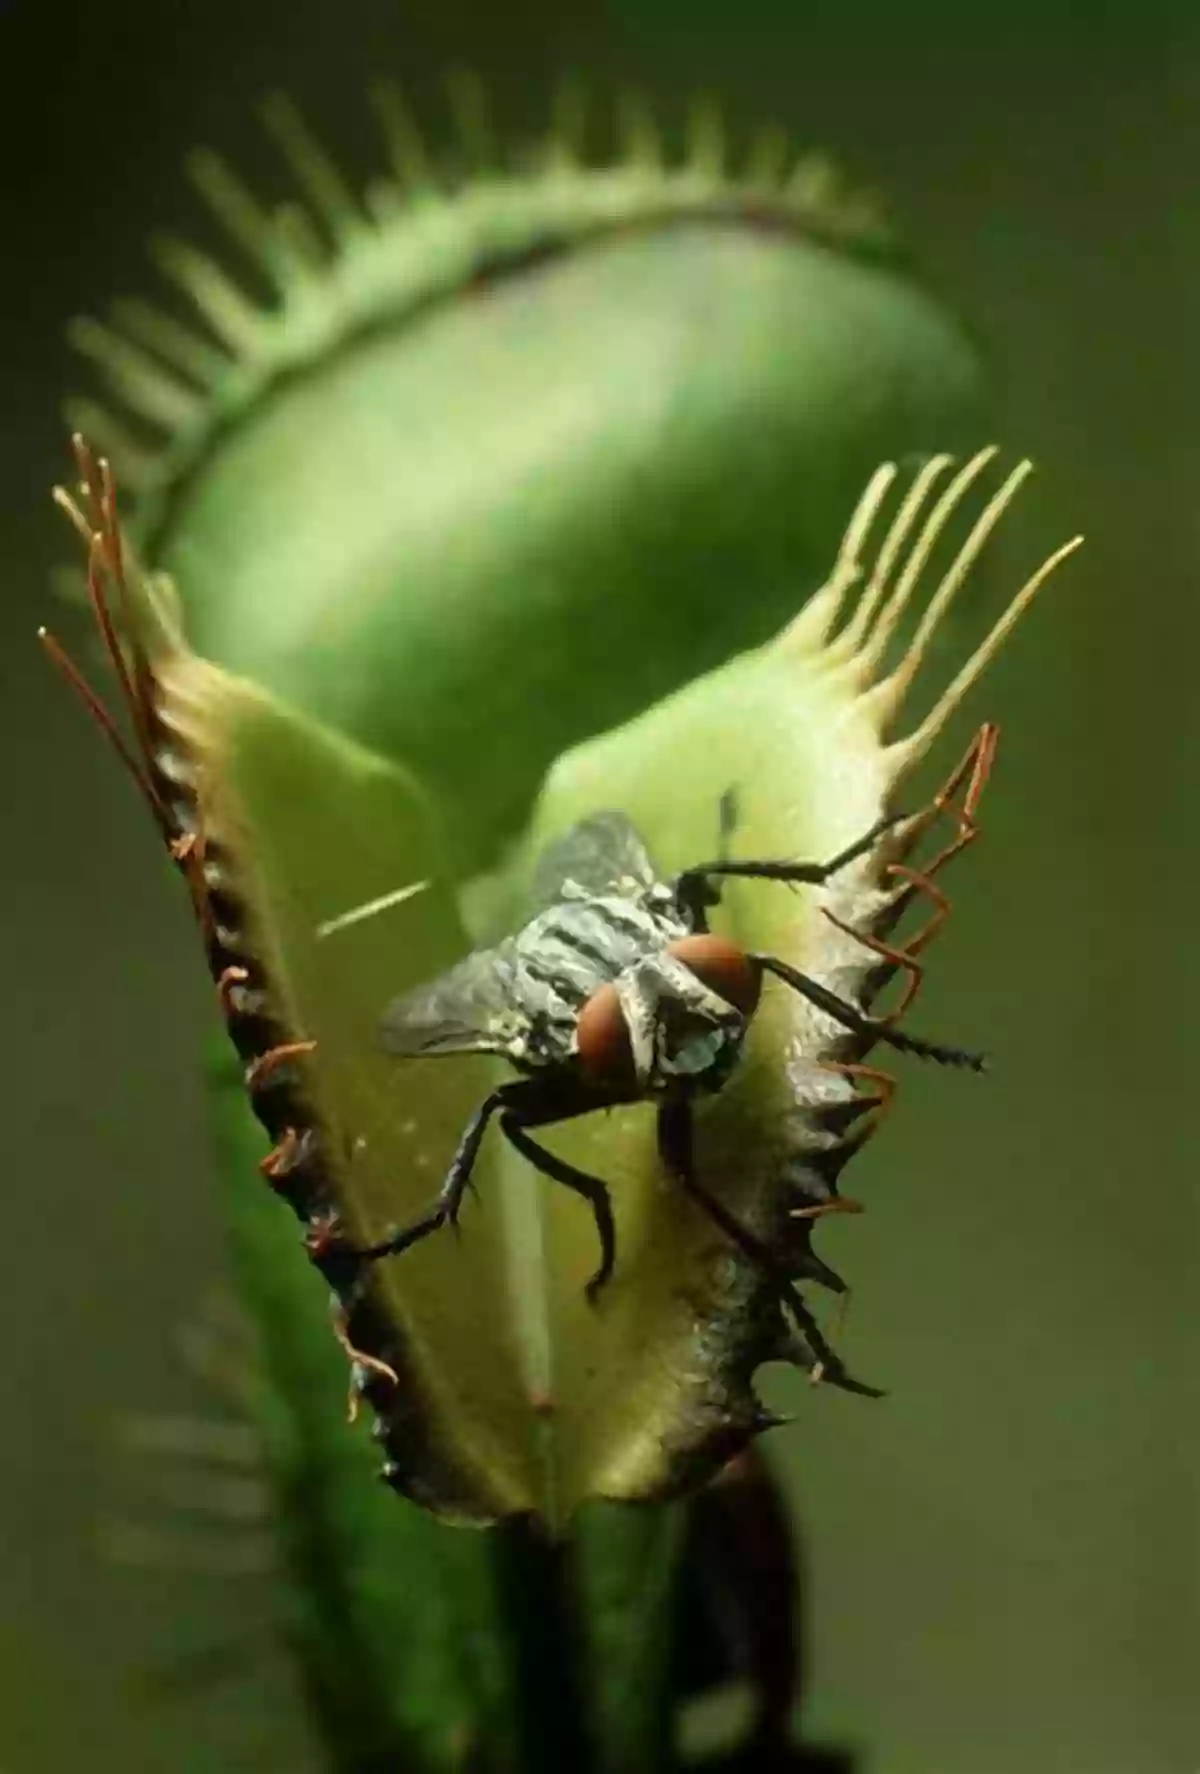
457	540
503	1380
499	1385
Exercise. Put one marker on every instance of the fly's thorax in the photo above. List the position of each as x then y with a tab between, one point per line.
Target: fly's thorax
574	947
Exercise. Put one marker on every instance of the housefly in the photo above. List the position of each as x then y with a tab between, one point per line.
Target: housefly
614	991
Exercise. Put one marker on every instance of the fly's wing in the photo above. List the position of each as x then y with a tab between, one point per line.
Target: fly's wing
467	1009
597	855
470	1008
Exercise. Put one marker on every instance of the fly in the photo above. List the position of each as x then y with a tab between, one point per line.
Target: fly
615	991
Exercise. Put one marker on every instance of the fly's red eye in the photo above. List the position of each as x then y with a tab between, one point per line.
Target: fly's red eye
723	967
602	1038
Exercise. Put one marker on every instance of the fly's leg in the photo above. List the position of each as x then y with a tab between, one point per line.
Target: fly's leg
454	1186
695	894
695	889
593	1191
532	1102
675	1146
866	1027
695	882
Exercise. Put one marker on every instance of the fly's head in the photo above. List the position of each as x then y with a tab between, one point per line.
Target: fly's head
692	1051
672	1023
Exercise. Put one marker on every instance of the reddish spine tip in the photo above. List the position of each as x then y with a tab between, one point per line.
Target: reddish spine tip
260	1072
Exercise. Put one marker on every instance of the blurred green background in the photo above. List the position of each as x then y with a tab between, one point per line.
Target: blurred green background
1003	1554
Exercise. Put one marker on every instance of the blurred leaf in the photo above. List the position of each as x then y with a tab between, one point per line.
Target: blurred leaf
394	1617
626	1571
